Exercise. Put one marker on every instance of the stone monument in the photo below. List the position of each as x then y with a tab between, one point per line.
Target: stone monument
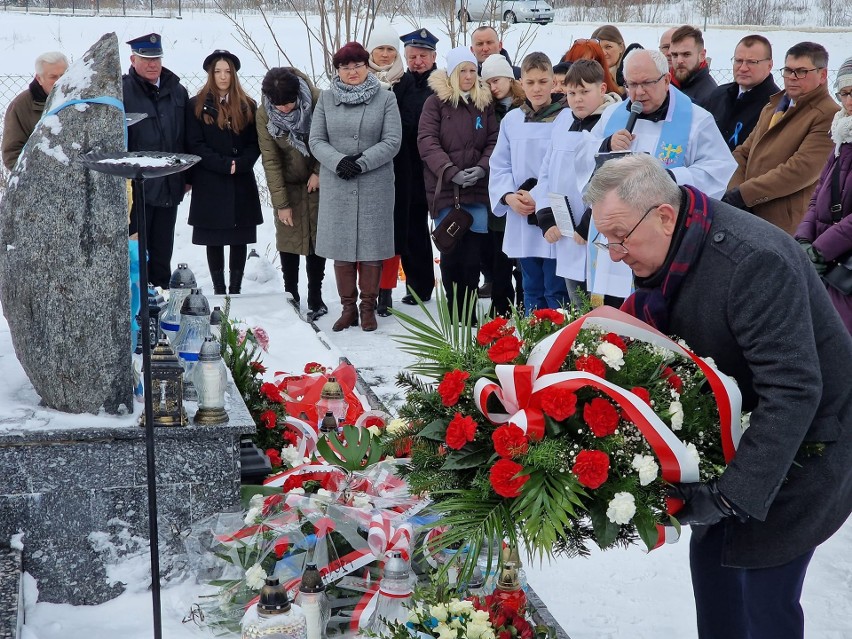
64	265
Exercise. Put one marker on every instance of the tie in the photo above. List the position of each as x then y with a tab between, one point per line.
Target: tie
780	110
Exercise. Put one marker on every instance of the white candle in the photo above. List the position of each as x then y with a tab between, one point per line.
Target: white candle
311	608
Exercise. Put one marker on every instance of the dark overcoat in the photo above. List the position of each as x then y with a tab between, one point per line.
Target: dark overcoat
162	130
730	110
753	302
225	208
699	87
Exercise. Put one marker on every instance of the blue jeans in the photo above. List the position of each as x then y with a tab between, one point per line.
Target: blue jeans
543	288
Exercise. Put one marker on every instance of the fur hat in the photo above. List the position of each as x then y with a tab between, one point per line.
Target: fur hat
383	35
459	55
496	66
844	75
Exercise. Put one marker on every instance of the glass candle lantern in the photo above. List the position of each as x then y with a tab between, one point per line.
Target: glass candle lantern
273	616
394	597
332	399
314	602
210	380
194	328
166	386
180	285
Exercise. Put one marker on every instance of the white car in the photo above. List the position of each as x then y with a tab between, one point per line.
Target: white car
511	11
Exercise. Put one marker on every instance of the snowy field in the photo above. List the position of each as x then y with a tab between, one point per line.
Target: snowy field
621	594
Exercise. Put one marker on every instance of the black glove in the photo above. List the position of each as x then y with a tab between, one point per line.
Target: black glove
704	504
348	167
817	259
582	229
544	218
734	198
528	184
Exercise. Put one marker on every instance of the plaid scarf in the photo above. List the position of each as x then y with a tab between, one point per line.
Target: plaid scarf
650	303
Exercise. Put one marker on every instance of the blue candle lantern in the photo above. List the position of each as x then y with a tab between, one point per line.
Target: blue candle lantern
194	328
180	285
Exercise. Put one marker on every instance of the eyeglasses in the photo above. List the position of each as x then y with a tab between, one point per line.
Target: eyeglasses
618	247
632	86
842	95
353	67
799	74
738	62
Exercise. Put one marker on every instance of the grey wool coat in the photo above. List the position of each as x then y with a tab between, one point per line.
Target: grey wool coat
753	302
356	216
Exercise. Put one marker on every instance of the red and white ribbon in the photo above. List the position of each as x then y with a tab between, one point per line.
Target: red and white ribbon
308	441
383	537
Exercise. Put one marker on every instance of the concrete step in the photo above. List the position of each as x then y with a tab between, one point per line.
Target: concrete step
11	594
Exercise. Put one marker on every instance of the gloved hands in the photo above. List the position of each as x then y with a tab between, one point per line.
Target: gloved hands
348	167
816	259
734	198
473	175
704	504
460	177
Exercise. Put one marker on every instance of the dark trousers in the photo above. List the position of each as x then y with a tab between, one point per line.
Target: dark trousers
502	292
486	260
160	227
418	261
460	270
745	603
236	257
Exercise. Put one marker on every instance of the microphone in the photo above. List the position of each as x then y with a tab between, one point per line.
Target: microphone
635	110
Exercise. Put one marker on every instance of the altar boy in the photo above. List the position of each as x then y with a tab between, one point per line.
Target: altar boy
587	95
524	137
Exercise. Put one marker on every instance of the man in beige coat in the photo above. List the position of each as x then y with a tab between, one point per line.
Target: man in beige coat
780	162
25	110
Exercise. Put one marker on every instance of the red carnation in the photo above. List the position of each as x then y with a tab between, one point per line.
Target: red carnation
452	386
281	547
672	378
460	431
558	403
257	367
550	314
271	392
591	364
314	367
612	338
490	331
601	416
591	468
642	393
293	481
274	457
510	441
503	478
269	419
290	437
505	349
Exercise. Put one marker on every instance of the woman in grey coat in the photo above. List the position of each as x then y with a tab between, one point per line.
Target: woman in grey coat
355	134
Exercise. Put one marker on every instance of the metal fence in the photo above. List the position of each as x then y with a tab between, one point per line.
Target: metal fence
162	8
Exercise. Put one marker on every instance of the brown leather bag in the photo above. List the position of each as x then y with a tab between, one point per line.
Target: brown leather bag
457	222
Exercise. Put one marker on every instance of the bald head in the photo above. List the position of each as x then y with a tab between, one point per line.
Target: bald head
666	43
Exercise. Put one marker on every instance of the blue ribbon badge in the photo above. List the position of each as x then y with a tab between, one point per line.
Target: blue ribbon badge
478	122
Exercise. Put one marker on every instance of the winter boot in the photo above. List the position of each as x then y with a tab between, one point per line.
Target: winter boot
218	278
368	281
290	270
385	302
346	274
236	282
316	273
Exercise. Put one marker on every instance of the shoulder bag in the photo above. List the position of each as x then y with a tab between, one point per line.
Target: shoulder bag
455	224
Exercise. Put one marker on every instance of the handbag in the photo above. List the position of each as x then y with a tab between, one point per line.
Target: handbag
839	274
447	234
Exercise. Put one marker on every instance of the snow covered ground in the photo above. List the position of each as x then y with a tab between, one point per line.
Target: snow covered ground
618	594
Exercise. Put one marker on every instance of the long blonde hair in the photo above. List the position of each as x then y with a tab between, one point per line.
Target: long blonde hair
480	95
237	111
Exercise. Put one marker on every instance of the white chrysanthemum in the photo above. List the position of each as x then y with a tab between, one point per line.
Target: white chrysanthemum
621	508
676	412
252	516
647	468
745	420
439	611
290	456
692	450
396	425
255	577
611	354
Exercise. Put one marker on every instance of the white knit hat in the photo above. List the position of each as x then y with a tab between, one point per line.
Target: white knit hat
457	56
496	66
844	75
383	35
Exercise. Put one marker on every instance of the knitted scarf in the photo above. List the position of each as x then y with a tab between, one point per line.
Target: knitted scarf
296	124
389	74
841	130
358	93
653	296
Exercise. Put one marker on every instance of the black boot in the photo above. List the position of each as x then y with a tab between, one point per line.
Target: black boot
236	283
385	302
290	270
218	278
316	272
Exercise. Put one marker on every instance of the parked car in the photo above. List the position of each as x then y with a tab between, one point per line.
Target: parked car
511	11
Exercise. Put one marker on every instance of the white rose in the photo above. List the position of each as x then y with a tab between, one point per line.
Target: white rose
252	516
488	634
460	607
439	611
444	631
456	623
255	577
290	455
692	450
256	501
676	412
375	430
621	508
611	354
479	616
476	630
647	468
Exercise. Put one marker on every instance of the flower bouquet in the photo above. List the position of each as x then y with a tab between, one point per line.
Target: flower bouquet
443	618
554	430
